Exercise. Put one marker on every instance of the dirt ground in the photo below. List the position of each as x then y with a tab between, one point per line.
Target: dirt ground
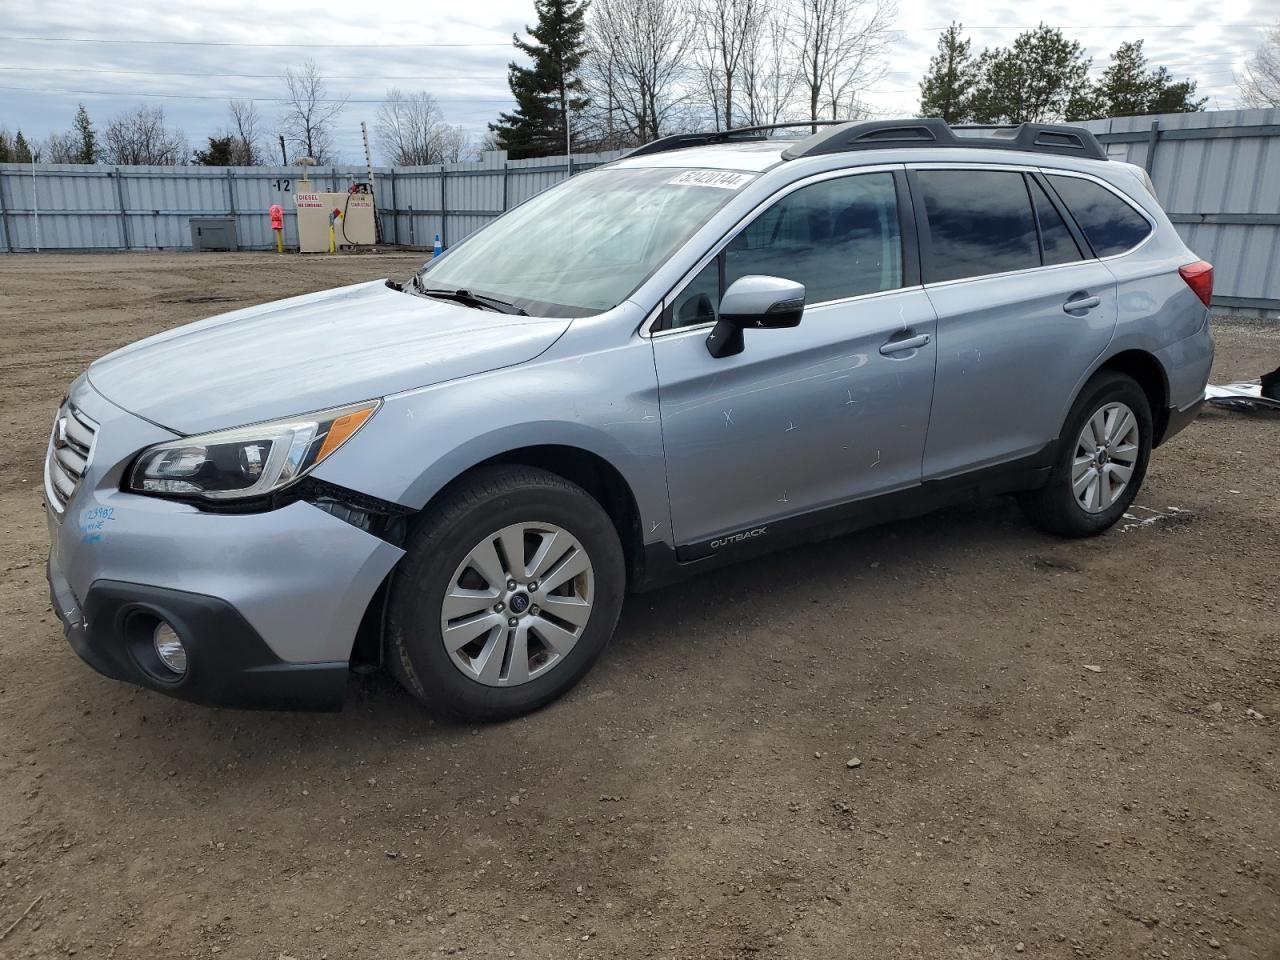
693	797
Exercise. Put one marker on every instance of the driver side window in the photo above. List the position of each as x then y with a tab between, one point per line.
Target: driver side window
838	237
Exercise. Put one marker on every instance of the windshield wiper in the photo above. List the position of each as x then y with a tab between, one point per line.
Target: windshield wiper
467	297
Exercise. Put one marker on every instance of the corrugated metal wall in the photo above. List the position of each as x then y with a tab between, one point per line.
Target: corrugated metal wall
77	207
1218	175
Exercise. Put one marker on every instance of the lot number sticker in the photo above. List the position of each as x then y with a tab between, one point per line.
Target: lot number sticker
712	178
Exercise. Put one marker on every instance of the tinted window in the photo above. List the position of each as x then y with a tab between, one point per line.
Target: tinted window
1110	225
980	222
839	238
1056	241
699	302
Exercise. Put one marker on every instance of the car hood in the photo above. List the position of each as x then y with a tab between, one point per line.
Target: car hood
311	352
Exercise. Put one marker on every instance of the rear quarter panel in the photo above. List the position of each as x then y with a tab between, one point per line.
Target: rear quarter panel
1156	311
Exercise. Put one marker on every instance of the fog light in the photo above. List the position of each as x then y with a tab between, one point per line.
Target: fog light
169	648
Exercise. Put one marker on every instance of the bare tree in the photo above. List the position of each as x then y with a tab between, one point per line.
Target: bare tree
309	111
637	66
246	133
1260	85
839	45
141	136
60	148
411	131
769	76
726	28
454	144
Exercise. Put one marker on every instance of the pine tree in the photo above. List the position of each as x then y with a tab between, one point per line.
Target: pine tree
86	139
6	146
1128	89
1041	77
550	92
21	150
947	89
219	153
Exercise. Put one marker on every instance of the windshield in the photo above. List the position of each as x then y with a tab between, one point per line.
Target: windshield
584	246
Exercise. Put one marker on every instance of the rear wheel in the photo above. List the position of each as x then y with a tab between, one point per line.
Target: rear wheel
1105	447
510	591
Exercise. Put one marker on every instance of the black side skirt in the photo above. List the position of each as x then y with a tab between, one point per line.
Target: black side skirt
661	565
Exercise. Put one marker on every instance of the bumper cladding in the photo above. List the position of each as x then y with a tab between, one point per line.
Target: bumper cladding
230	665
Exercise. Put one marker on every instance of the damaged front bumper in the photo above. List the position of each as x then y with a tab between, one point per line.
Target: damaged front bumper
267	604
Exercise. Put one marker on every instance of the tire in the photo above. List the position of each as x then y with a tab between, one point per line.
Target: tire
1057	507
504	670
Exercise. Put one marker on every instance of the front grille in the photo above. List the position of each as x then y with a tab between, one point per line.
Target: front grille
68	457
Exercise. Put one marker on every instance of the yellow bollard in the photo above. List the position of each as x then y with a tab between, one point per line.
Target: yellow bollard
332	245
279	241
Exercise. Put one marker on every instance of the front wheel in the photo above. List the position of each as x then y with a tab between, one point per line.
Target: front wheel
510	591
1105	447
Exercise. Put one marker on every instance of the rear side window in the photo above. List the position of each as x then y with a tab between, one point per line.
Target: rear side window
1056	241
980	222
1110	225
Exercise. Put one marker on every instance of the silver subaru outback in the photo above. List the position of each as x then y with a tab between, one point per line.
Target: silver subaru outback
717	345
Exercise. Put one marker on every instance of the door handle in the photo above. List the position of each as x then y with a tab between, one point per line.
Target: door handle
911	343
1084	303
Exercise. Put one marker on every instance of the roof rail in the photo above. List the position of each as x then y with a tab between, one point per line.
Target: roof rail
746	134
932	132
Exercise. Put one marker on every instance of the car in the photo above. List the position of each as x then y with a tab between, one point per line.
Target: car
716	345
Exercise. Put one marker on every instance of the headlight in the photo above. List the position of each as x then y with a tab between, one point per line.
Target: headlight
249	461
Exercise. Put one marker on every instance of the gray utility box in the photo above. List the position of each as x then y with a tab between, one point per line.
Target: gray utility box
213	233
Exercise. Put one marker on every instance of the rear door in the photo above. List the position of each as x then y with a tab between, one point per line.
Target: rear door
1023	311
833	410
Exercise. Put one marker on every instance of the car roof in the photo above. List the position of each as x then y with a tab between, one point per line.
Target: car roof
754	156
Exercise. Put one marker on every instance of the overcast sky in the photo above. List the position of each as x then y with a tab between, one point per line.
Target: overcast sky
41	81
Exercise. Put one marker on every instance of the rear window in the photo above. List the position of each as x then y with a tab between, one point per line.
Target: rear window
980	223
1110	225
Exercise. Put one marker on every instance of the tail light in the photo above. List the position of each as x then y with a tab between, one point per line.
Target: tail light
1199	277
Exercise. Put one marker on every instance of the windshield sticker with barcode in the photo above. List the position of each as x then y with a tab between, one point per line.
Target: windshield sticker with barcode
712	178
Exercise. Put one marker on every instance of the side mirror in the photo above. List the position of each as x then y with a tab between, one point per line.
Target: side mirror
761	303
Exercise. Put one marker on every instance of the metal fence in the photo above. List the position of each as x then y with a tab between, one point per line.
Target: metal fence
95	207
1217	173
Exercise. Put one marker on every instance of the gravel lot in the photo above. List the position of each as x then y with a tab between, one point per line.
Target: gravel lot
694	796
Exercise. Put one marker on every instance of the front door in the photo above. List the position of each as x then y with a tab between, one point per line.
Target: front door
830	411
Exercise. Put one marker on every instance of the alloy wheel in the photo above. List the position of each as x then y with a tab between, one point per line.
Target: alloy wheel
1106	455
517	604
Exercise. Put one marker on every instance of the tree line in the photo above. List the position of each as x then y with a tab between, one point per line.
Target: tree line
606	74
409	128
610	74
1043	76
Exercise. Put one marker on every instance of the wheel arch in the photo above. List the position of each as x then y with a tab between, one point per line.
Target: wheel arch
591	471
1144	368
600	478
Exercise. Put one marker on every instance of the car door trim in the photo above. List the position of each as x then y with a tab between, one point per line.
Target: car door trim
704	327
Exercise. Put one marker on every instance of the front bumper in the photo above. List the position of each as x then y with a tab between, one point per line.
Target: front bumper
268	604
229	664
